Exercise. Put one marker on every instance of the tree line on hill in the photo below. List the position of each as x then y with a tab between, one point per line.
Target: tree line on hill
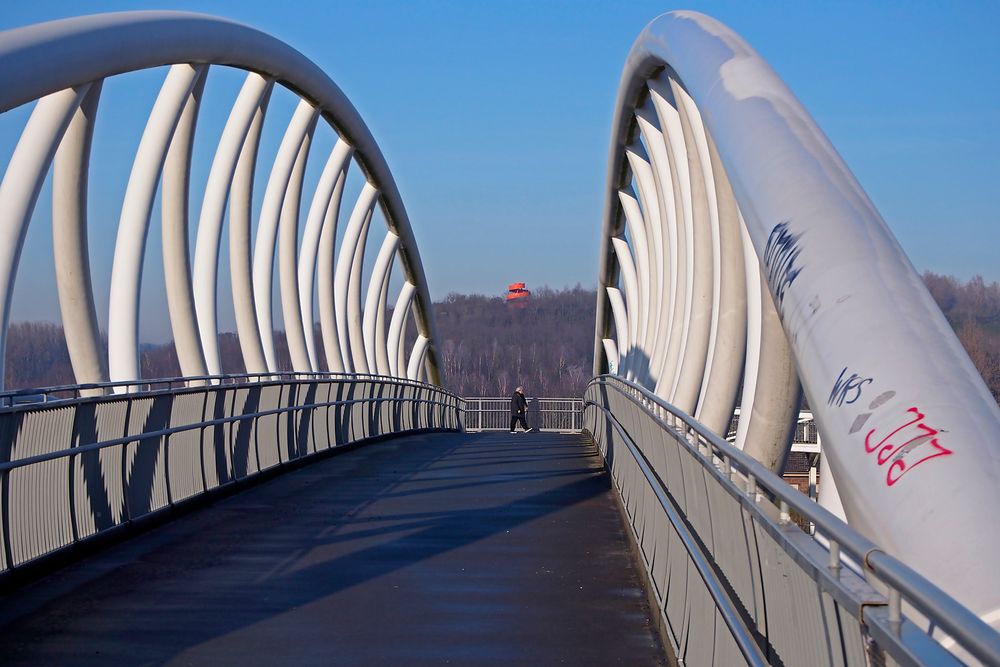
973	310
488	348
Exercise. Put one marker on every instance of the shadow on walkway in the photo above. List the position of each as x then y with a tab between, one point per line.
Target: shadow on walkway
383	555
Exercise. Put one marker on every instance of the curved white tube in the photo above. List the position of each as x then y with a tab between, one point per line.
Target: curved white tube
611	350
754	325
829	498
397	329
673	133
376	285
675	277
659	162
637	235
417	357
21	185
381	322
729	328
288	270
356	227
69	244
240	268
700	236
311	236
908	425
627	268
174	234
302	123
355	334
213	209
401	350
325	278
84	49
646	187
620	316
777	394
126	272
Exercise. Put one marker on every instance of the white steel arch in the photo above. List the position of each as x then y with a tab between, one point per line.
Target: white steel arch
62	65
213	208
782	270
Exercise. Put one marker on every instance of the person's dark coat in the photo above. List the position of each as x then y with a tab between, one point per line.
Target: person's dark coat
518	404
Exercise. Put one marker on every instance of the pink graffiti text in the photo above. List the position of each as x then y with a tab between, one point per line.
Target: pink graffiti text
902	447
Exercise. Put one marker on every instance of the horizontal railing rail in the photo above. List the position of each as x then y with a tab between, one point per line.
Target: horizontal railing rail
75	468
800	602
69	391
492	413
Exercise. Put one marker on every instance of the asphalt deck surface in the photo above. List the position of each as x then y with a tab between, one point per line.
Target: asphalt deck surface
485	549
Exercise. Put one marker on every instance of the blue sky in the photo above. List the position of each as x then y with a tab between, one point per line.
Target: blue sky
495	117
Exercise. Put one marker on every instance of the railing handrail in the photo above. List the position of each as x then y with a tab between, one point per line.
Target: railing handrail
307	415
730	615
961	624
7	398
552	413
537	398
166	432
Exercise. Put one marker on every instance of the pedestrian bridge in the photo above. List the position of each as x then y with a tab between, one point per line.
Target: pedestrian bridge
335	505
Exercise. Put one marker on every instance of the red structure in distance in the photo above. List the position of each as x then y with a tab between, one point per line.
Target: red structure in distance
517	296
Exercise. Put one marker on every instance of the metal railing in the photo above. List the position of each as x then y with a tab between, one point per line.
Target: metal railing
544	414
736	579
14	397
75	468
805	439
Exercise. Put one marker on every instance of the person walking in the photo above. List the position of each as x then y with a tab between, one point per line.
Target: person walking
518	408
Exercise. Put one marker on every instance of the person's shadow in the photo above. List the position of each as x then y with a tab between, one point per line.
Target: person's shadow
534	417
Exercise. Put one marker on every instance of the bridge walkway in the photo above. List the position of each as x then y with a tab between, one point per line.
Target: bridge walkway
484	548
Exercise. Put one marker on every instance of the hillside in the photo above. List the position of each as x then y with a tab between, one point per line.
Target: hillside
487	349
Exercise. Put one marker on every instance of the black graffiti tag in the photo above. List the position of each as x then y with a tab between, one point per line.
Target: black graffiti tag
780	254
847	388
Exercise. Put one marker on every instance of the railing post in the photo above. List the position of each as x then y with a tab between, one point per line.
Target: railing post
834	562
895	606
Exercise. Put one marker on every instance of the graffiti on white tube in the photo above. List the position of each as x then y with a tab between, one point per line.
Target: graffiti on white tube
780	256
847	389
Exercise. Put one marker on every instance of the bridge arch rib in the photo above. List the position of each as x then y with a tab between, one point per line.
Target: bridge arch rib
62	64
739	250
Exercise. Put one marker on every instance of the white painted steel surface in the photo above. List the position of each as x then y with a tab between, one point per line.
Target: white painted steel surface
375	306
58	62
912	435
213	208
69	243
397	330
356	229
21	184
240	262
133	227
176	182
325	199
297	135
736	580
